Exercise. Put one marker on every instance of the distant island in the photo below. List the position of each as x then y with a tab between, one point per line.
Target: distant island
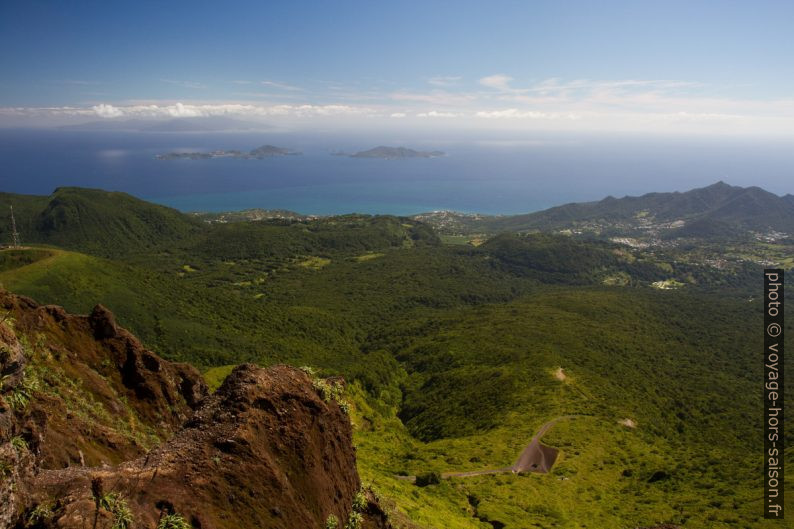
393	153
265	151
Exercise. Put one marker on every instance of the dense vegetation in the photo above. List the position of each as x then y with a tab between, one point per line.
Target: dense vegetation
457	353
718	206
95	221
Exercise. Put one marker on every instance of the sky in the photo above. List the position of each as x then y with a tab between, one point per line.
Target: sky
666	67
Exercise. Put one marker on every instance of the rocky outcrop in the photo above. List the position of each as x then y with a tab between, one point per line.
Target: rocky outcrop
17	464
102	397
79	391
95	428
264	451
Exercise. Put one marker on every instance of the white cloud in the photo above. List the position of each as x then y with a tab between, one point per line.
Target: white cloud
497	82
436	114
280	86
185	84
444	80
514	113
653	106
181	110
436	97
107	111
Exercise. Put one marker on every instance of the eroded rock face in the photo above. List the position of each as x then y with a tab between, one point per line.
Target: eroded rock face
264	451
67	398
103	417
17	464
101	396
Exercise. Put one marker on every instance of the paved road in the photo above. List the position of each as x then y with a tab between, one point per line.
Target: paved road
535	457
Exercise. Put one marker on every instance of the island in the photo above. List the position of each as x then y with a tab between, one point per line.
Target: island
395	153
265	151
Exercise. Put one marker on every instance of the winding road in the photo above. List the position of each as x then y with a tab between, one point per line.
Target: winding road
536	457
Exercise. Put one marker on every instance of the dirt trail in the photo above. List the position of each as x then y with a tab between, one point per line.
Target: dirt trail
535	457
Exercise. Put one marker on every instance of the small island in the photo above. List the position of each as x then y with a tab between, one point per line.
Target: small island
265	151
395	153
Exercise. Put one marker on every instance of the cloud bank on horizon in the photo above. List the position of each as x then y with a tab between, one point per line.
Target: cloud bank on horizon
655	67
493	101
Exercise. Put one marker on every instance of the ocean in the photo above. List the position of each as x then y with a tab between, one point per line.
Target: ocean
493	175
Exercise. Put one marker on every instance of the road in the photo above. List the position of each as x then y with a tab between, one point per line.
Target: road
535	457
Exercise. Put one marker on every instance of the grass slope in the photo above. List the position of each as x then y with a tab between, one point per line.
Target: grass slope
204	326
688	382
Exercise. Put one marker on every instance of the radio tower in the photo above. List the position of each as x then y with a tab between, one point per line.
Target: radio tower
14	232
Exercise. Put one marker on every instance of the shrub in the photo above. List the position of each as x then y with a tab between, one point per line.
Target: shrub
122	516
429	478
312	373
336	392
659	475
117	506
40	514
173	521
354	521
323	388
360	502
21	395
328	392
332	522
19	443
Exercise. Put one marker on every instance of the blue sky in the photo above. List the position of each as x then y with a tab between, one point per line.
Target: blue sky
668	66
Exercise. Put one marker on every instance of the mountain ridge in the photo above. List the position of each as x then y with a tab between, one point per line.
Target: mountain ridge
750	208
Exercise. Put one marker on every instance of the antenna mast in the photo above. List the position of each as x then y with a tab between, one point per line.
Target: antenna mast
14	232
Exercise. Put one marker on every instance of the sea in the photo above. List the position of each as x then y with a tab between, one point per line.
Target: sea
489	174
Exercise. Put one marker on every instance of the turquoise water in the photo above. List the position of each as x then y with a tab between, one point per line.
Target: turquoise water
488	177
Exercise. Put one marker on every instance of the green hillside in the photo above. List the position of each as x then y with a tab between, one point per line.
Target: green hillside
719	205
477	390
204	326
455	354
100	222
748	208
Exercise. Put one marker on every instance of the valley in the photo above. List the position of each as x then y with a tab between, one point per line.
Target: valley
456	355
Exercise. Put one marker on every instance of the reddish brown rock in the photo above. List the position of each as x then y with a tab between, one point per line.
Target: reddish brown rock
104	396
264	451
106	416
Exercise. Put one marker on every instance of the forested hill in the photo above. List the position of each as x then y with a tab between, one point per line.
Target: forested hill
717	208
95	221
112	224
750	207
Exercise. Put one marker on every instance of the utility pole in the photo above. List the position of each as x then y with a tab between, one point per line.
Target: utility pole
14	232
